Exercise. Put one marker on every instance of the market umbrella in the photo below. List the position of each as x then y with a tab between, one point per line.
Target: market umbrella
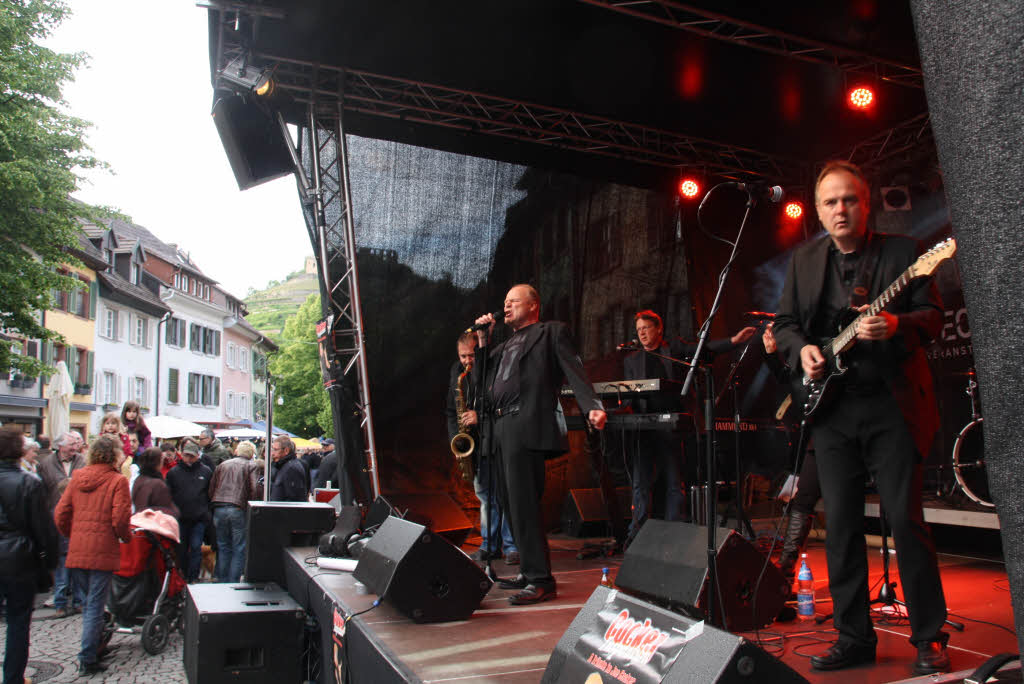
301	443
239	433
169	427
58	410
262	427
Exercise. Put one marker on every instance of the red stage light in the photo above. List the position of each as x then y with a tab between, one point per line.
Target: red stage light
689	188
861	97
794	210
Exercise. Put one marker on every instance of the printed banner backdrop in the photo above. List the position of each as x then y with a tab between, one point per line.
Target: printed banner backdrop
442	237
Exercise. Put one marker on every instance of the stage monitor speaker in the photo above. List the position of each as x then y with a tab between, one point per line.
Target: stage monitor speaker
435	510
252	140
667	564
616	637
585	514
242	633
271	526
422	575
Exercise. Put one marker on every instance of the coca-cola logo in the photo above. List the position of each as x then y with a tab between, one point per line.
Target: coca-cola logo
631	639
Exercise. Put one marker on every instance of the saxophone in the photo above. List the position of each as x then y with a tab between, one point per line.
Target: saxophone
462	443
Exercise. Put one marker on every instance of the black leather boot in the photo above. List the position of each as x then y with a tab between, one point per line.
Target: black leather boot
793	545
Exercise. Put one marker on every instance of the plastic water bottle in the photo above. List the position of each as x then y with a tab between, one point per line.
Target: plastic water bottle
605	582
805	590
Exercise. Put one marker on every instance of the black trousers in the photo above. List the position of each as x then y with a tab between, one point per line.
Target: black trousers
808	491
857	437
520	494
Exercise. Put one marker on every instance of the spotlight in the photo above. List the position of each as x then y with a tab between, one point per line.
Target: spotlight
246	79
861	97
794	210
689	188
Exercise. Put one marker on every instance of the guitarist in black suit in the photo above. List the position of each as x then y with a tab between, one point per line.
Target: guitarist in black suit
524	376
881	422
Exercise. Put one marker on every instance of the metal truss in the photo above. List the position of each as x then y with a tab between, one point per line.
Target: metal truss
730	30
900	139
425	103
323	178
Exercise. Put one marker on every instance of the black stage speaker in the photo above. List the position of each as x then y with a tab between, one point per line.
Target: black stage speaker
252	139
273	525
673	648
667	564
973	75
421	574
584	514
242	633
435	510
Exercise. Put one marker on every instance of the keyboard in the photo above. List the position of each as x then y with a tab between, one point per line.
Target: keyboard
614	388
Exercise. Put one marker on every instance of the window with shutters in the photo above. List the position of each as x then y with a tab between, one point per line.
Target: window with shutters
194	387
243	359
139	391
229	404
110	324
109	387
195	333
242	406
229	359
141	331
172	385
175	334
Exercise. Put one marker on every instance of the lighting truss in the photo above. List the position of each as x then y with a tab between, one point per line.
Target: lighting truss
425	103
766	39
901	138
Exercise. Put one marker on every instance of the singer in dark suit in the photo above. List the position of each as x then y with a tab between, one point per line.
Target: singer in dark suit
658	456
882	422
522	382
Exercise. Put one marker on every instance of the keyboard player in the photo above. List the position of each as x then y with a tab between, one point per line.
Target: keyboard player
658	457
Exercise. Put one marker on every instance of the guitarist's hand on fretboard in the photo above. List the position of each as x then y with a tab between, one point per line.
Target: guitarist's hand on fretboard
880	327
812	361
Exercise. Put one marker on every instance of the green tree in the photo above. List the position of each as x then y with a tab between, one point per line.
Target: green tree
296	368
42	151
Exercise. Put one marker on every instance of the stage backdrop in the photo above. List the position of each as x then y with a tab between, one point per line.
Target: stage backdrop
442	237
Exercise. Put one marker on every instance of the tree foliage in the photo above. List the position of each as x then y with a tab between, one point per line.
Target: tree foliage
42	151
296	368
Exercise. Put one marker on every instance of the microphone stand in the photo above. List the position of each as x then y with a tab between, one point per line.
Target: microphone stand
732	382
709	420
480	400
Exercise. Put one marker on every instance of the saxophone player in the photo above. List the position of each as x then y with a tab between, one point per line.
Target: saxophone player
494	525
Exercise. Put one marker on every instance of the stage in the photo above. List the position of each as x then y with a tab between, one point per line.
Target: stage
508	644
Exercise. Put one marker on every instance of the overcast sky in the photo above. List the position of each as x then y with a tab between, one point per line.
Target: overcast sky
147	93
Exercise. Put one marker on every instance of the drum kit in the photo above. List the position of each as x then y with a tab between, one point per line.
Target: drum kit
969	451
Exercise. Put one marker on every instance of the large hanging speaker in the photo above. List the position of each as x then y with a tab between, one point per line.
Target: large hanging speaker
667	564
252	139
421	574
973	75
618	638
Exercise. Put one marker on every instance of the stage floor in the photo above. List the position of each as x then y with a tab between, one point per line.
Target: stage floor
509	644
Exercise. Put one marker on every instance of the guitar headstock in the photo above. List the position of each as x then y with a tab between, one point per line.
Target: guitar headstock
930	260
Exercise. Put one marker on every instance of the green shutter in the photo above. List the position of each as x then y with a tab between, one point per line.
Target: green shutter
172	385
72	362
90	361
94	293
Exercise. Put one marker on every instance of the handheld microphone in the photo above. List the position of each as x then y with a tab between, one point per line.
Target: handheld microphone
772	193
498	316
627	346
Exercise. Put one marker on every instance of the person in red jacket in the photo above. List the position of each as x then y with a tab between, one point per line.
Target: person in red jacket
94	513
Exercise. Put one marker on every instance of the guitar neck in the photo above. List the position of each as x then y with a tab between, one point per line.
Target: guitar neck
844	339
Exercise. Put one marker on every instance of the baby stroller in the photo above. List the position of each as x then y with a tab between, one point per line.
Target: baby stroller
148	589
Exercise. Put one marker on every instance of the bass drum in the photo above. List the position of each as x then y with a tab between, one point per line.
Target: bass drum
969	463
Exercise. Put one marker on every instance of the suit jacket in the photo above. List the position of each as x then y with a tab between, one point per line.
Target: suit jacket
51	472
548	357
902	358
668	400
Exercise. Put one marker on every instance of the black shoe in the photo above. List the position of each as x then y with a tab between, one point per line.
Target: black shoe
482	555
91	668
931	658
531	594
518	582
843	654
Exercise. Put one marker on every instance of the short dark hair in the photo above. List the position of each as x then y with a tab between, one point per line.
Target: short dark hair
467	338
166	446
43	441
12	443
286	442
648	315
149	462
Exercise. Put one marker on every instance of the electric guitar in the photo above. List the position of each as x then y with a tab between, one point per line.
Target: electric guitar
819	393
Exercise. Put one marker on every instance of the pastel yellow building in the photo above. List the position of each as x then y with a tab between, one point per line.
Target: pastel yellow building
74	317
